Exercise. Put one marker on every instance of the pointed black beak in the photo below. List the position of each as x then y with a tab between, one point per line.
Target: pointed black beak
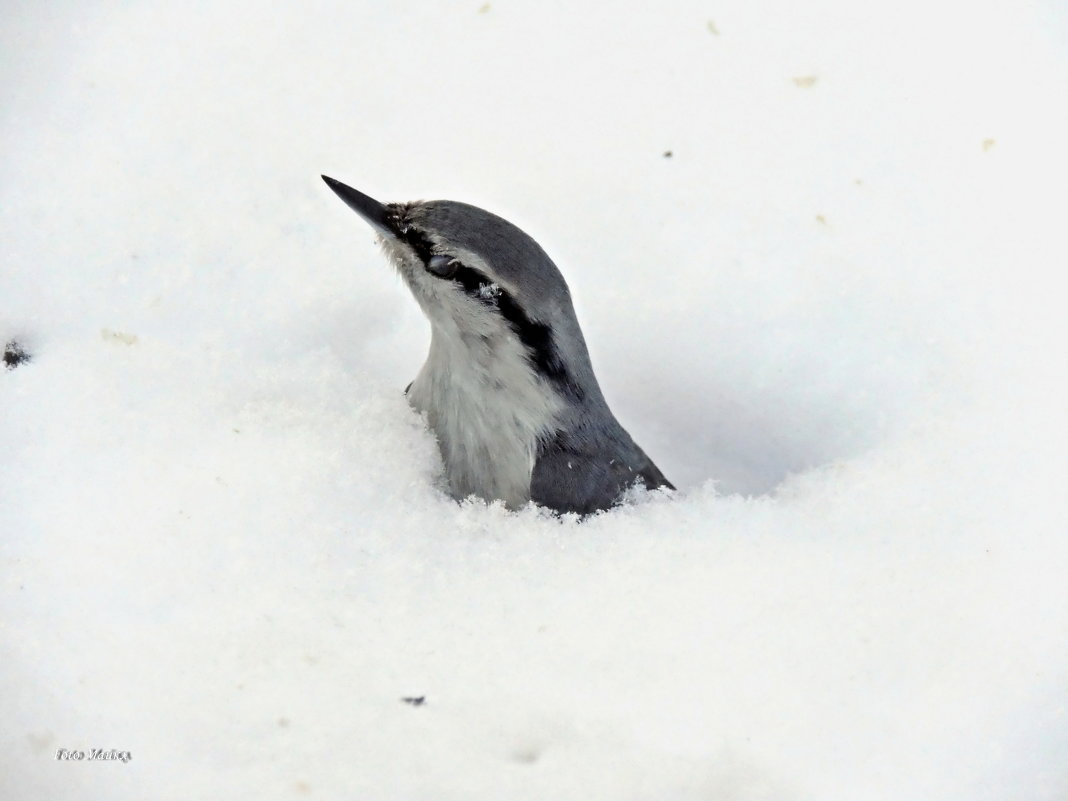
367	207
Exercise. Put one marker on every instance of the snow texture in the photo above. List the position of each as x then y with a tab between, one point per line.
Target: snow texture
818	253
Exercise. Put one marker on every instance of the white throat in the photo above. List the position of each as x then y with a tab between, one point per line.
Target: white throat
486	404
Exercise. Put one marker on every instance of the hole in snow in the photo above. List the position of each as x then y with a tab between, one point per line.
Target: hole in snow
749	423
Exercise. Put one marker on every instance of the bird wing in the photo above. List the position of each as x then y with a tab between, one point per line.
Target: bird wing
571	481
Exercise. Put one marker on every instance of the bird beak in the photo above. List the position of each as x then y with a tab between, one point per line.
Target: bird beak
367	207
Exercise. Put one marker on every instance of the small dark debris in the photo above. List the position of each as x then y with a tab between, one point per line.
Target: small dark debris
14	355
415	700
668	154
526	756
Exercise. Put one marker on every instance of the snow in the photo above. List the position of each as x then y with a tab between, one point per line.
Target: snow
834	317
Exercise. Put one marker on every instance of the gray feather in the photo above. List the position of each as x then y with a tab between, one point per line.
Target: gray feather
588	476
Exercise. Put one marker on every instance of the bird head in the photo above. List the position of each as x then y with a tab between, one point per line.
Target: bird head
476	275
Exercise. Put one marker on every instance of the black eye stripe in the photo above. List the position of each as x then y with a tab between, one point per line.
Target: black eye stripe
472	281
417	240
536	337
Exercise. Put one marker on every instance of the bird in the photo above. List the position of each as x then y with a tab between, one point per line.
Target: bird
507	387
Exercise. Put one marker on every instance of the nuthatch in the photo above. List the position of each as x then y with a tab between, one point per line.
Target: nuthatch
507	387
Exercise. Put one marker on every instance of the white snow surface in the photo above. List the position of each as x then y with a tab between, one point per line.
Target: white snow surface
834	316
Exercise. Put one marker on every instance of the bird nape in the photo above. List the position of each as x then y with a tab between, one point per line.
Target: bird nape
507	386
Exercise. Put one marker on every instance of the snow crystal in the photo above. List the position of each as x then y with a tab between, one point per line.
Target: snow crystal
834	318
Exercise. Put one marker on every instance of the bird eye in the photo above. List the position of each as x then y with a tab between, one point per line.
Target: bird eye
443	266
